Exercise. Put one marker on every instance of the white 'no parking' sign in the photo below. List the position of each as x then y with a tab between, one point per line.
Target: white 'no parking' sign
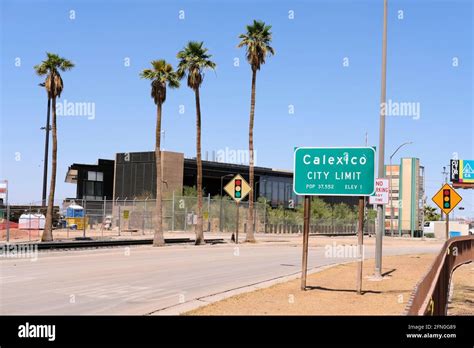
381	192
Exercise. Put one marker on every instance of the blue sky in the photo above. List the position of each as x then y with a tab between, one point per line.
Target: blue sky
334	105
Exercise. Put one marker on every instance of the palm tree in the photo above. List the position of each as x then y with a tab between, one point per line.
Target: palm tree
257	42
161	76
54	87
193	61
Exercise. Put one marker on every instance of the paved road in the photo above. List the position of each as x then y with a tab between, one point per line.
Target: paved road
143	279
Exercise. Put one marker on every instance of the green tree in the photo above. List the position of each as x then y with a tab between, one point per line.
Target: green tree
162	76
320	210
51	67
343	212
430	213
194	59
256	40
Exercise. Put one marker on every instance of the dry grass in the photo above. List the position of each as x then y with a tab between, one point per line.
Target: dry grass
332	292
462	301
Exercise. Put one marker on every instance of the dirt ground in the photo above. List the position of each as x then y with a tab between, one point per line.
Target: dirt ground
462	300
17	235
332	292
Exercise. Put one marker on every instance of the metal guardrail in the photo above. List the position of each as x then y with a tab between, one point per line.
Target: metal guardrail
430	296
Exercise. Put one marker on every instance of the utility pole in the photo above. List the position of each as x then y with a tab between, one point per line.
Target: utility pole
381	149
47	128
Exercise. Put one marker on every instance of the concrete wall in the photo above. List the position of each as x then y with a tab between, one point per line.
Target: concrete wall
135	174
440	228
172	166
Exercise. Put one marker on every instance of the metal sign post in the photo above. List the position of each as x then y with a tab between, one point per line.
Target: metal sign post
237	225
307	221
360	245
447	226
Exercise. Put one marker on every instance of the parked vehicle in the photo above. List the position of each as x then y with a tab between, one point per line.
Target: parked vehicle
428	227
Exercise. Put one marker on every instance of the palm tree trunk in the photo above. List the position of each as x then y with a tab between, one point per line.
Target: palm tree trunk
199	231
48	228
250	222
158	239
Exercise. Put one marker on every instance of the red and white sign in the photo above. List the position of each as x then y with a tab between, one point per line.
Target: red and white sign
3	191
381	192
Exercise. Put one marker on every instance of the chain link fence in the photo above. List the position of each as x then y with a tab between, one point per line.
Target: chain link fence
112	218
179	214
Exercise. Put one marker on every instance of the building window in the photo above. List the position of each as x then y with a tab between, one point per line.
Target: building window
93	190
89	188
95	176
274	192
281	193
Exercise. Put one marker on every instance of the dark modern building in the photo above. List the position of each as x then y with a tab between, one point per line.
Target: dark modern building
94	181
132	175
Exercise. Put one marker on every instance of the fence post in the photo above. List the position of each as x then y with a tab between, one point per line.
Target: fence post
84	202
119	220
209	212
29	222
104	207
144	216
255	210
185	219
265	216
172	214
221	226
8	215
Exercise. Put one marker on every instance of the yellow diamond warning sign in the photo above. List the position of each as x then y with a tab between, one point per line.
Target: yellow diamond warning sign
447	198
237	188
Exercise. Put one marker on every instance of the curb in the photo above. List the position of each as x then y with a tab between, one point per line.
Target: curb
193	304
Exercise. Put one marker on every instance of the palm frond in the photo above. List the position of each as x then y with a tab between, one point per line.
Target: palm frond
161	75
257	41
50	67
194	59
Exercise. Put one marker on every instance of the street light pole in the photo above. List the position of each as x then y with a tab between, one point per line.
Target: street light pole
381	149
46	154
390	184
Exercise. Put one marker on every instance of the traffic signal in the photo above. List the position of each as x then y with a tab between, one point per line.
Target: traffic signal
238	188
447	199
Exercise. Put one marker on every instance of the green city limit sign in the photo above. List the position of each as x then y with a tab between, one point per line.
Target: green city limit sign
334	171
